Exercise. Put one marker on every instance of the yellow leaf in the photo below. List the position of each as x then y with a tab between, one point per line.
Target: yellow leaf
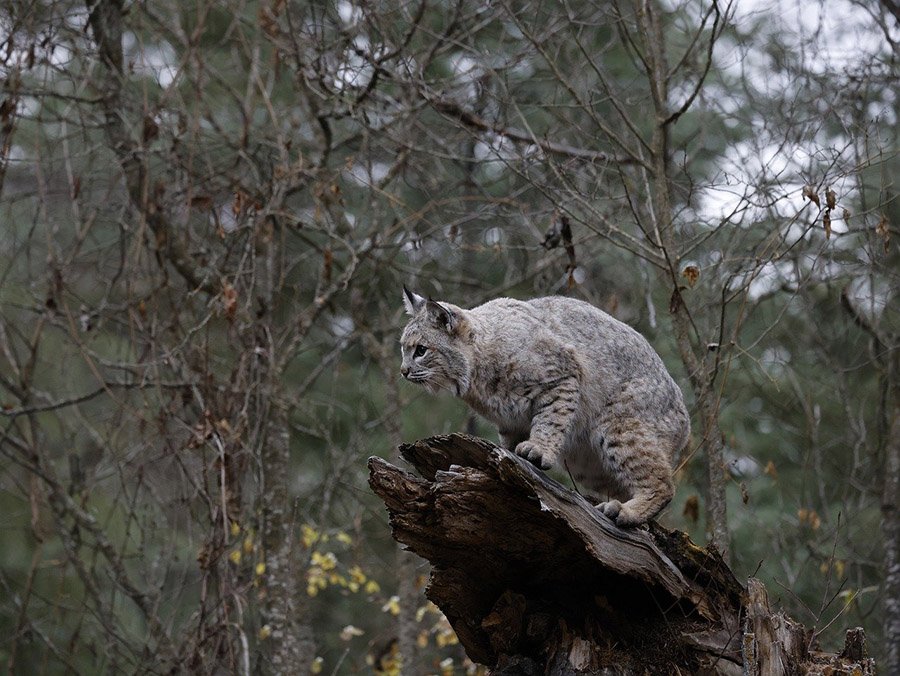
837	566
357	575
260	568
264	632
372	587
848	596
392	606
235	556
344	538
308	535
316	666
809	517
235	529
349	632
326	561
446	637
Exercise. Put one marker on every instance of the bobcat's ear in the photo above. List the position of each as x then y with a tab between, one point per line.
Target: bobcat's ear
443	316
412	301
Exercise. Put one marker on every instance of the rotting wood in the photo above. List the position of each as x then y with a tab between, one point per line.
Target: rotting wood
535	580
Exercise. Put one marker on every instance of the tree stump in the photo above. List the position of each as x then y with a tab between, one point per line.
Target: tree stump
535	580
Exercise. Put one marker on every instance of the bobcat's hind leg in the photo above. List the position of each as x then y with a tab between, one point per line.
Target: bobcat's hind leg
640	463
640	509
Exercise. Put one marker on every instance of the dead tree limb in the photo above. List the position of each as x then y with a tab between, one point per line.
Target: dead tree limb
535	580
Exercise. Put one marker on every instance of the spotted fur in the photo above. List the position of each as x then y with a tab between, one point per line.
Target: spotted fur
566	384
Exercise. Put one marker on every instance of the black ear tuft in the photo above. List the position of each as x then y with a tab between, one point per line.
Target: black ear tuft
412	301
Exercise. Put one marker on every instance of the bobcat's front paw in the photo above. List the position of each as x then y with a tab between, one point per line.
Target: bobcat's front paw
535	454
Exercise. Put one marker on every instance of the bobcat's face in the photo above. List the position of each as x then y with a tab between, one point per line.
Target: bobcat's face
433	355
432	360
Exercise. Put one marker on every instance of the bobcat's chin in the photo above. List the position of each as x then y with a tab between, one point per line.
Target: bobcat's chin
435	386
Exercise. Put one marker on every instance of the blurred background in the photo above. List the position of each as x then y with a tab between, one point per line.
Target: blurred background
208	209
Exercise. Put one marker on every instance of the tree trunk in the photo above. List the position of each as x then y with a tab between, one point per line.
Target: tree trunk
662	216
890	528
535	580
290	647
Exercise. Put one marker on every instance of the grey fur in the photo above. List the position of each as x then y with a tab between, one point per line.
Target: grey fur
566	384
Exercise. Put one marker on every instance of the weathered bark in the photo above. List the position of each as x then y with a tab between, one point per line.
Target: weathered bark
290	647
535	580
890	528
888	357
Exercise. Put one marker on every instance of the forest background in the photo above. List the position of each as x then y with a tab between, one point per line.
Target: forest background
208	210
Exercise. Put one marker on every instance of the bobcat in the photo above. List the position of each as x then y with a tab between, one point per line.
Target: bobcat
566	384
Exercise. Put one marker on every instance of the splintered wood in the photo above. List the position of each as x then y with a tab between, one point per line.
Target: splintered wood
535	580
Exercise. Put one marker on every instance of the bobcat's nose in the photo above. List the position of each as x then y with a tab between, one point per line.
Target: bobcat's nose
404	371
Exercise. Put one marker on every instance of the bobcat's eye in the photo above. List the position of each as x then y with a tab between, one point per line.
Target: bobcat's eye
419	351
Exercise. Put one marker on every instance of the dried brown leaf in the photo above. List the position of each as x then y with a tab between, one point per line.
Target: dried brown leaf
229	300
830	198
201	431
692	508
809	192
150	130
240	198
675	301
201	202
327	264
267	21
883	231
691	273
826	221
